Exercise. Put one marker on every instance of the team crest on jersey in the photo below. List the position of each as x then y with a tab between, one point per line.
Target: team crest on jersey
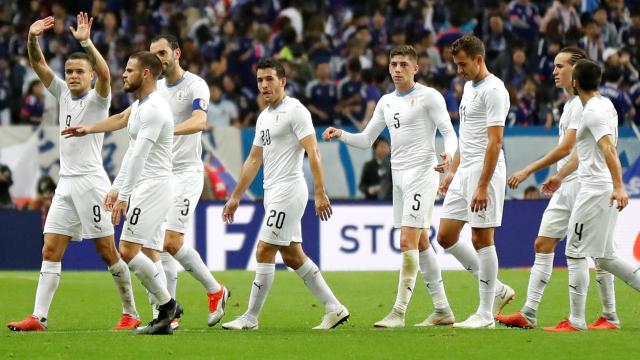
181	95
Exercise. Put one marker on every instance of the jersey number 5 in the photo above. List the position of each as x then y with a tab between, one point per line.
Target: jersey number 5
396	117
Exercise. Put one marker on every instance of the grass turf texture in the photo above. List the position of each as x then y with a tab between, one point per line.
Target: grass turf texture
86	306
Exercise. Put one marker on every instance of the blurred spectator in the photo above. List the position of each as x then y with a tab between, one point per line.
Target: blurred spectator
221	111
592	42
5	183
630	73
371	92
531	193
563	11
45	190
620	98
497	41
426	46
440	83
525	20
373	171
33	106
608	31
349	89
630	35
634	93
321	96
516	73
528	101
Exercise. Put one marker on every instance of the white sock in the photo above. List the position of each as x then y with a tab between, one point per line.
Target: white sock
487	278
192	262
150	277
152	299
170	272
578	288
604	282
538	280
313	279
47	285
432	276
122	277
407	280
468	257
622	269
265	274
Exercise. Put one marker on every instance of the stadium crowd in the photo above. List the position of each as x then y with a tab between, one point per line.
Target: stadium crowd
335	51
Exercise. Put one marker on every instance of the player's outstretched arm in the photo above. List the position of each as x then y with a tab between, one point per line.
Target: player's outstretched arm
36	57
83	34
112	123
247	174
362	140
619	194
323	206
559	152
480	198
552	184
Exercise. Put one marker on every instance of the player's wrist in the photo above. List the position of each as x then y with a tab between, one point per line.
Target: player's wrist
86	43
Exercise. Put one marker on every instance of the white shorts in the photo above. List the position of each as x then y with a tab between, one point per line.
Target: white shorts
414	192
148	207
284	206
76	209
592	224
187	188
457	202
555	220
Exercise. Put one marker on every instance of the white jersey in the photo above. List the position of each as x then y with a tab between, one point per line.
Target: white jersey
186	95
278	132
80	155
599	118
412	119
151	119
570	120
484	104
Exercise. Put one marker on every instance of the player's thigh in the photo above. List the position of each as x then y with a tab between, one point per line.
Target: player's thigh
88	200
398	198
455	206
591	226
419	191
62	218
491	217
147	211
284	206
556	216
187	188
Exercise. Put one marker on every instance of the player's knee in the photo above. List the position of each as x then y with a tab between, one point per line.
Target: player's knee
408	243
108	253
293	261
51	253
172	242
266	253
544	245
445	240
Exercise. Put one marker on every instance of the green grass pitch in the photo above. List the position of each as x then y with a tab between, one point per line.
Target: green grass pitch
86	306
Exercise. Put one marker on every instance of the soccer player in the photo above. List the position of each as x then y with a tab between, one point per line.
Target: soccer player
412	113
475	183
284	131
187	95
76	211
555	220
593	217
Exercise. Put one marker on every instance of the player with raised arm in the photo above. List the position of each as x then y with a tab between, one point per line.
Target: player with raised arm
284	131
593	218
412	113
475	183
76	210
188	96
555	220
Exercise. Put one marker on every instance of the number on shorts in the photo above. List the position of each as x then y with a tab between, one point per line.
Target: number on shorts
67	121
416	198
578	230
265	137
462	113
96	213
134	216
396	117
185	212
279	216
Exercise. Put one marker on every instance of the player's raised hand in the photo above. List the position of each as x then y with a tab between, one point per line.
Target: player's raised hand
229	210
444	185
331	133
75	131
480	199
444	165
619	195
551	185
110	200
119	211
83	31
517	178
323	207
40	26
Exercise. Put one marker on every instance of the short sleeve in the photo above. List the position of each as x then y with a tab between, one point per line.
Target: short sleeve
57	87
200	96
256	138
101	101
150	125
597	125
301	122
497	107
575	115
